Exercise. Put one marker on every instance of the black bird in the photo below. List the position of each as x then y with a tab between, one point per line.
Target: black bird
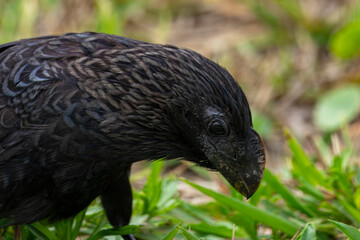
77	110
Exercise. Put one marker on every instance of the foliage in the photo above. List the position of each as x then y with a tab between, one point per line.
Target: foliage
317	200
320	195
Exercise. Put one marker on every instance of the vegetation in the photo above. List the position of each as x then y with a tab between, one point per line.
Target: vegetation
322	204
299	69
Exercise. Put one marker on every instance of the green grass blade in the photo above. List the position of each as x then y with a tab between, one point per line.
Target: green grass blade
309	189
78	222
197	213
188	235
349	231
282	211
354	213
249	225
341	179
220	231
251	211
172	234
303	166
152	187
42	232
280	188
63	229
98	224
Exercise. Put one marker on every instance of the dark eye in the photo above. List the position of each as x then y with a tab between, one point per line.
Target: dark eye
217	128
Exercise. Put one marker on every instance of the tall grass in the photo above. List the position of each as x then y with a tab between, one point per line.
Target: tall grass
318	203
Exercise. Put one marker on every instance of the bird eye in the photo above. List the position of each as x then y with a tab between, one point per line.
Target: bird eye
217	128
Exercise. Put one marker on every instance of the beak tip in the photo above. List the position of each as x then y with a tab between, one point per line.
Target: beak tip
247	190
248	194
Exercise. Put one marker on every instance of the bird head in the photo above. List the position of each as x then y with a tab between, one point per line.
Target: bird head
214	119
234	150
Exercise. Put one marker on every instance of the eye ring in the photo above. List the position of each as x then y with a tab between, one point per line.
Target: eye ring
218	128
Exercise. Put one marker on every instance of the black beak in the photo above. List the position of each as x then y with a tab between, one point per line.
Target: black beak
246	171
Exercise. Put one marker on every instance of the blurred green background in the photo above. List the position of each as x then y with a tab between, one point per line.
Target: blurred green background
298	63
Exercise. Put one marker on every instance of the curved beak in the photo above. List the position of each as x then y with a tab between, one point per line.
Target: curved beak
246	171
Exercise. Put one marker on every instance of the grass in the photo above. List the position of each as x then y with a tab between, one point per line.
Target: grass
318	203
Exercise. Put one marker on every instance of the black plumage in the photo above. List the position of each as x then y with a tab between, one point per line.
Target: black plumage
77	110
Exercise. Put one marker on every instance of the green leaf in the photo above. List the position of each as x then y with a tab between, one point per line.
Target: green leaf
349	231
250	211
172	234
285	193
308	233
337	108
126	230
345	43
188	235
